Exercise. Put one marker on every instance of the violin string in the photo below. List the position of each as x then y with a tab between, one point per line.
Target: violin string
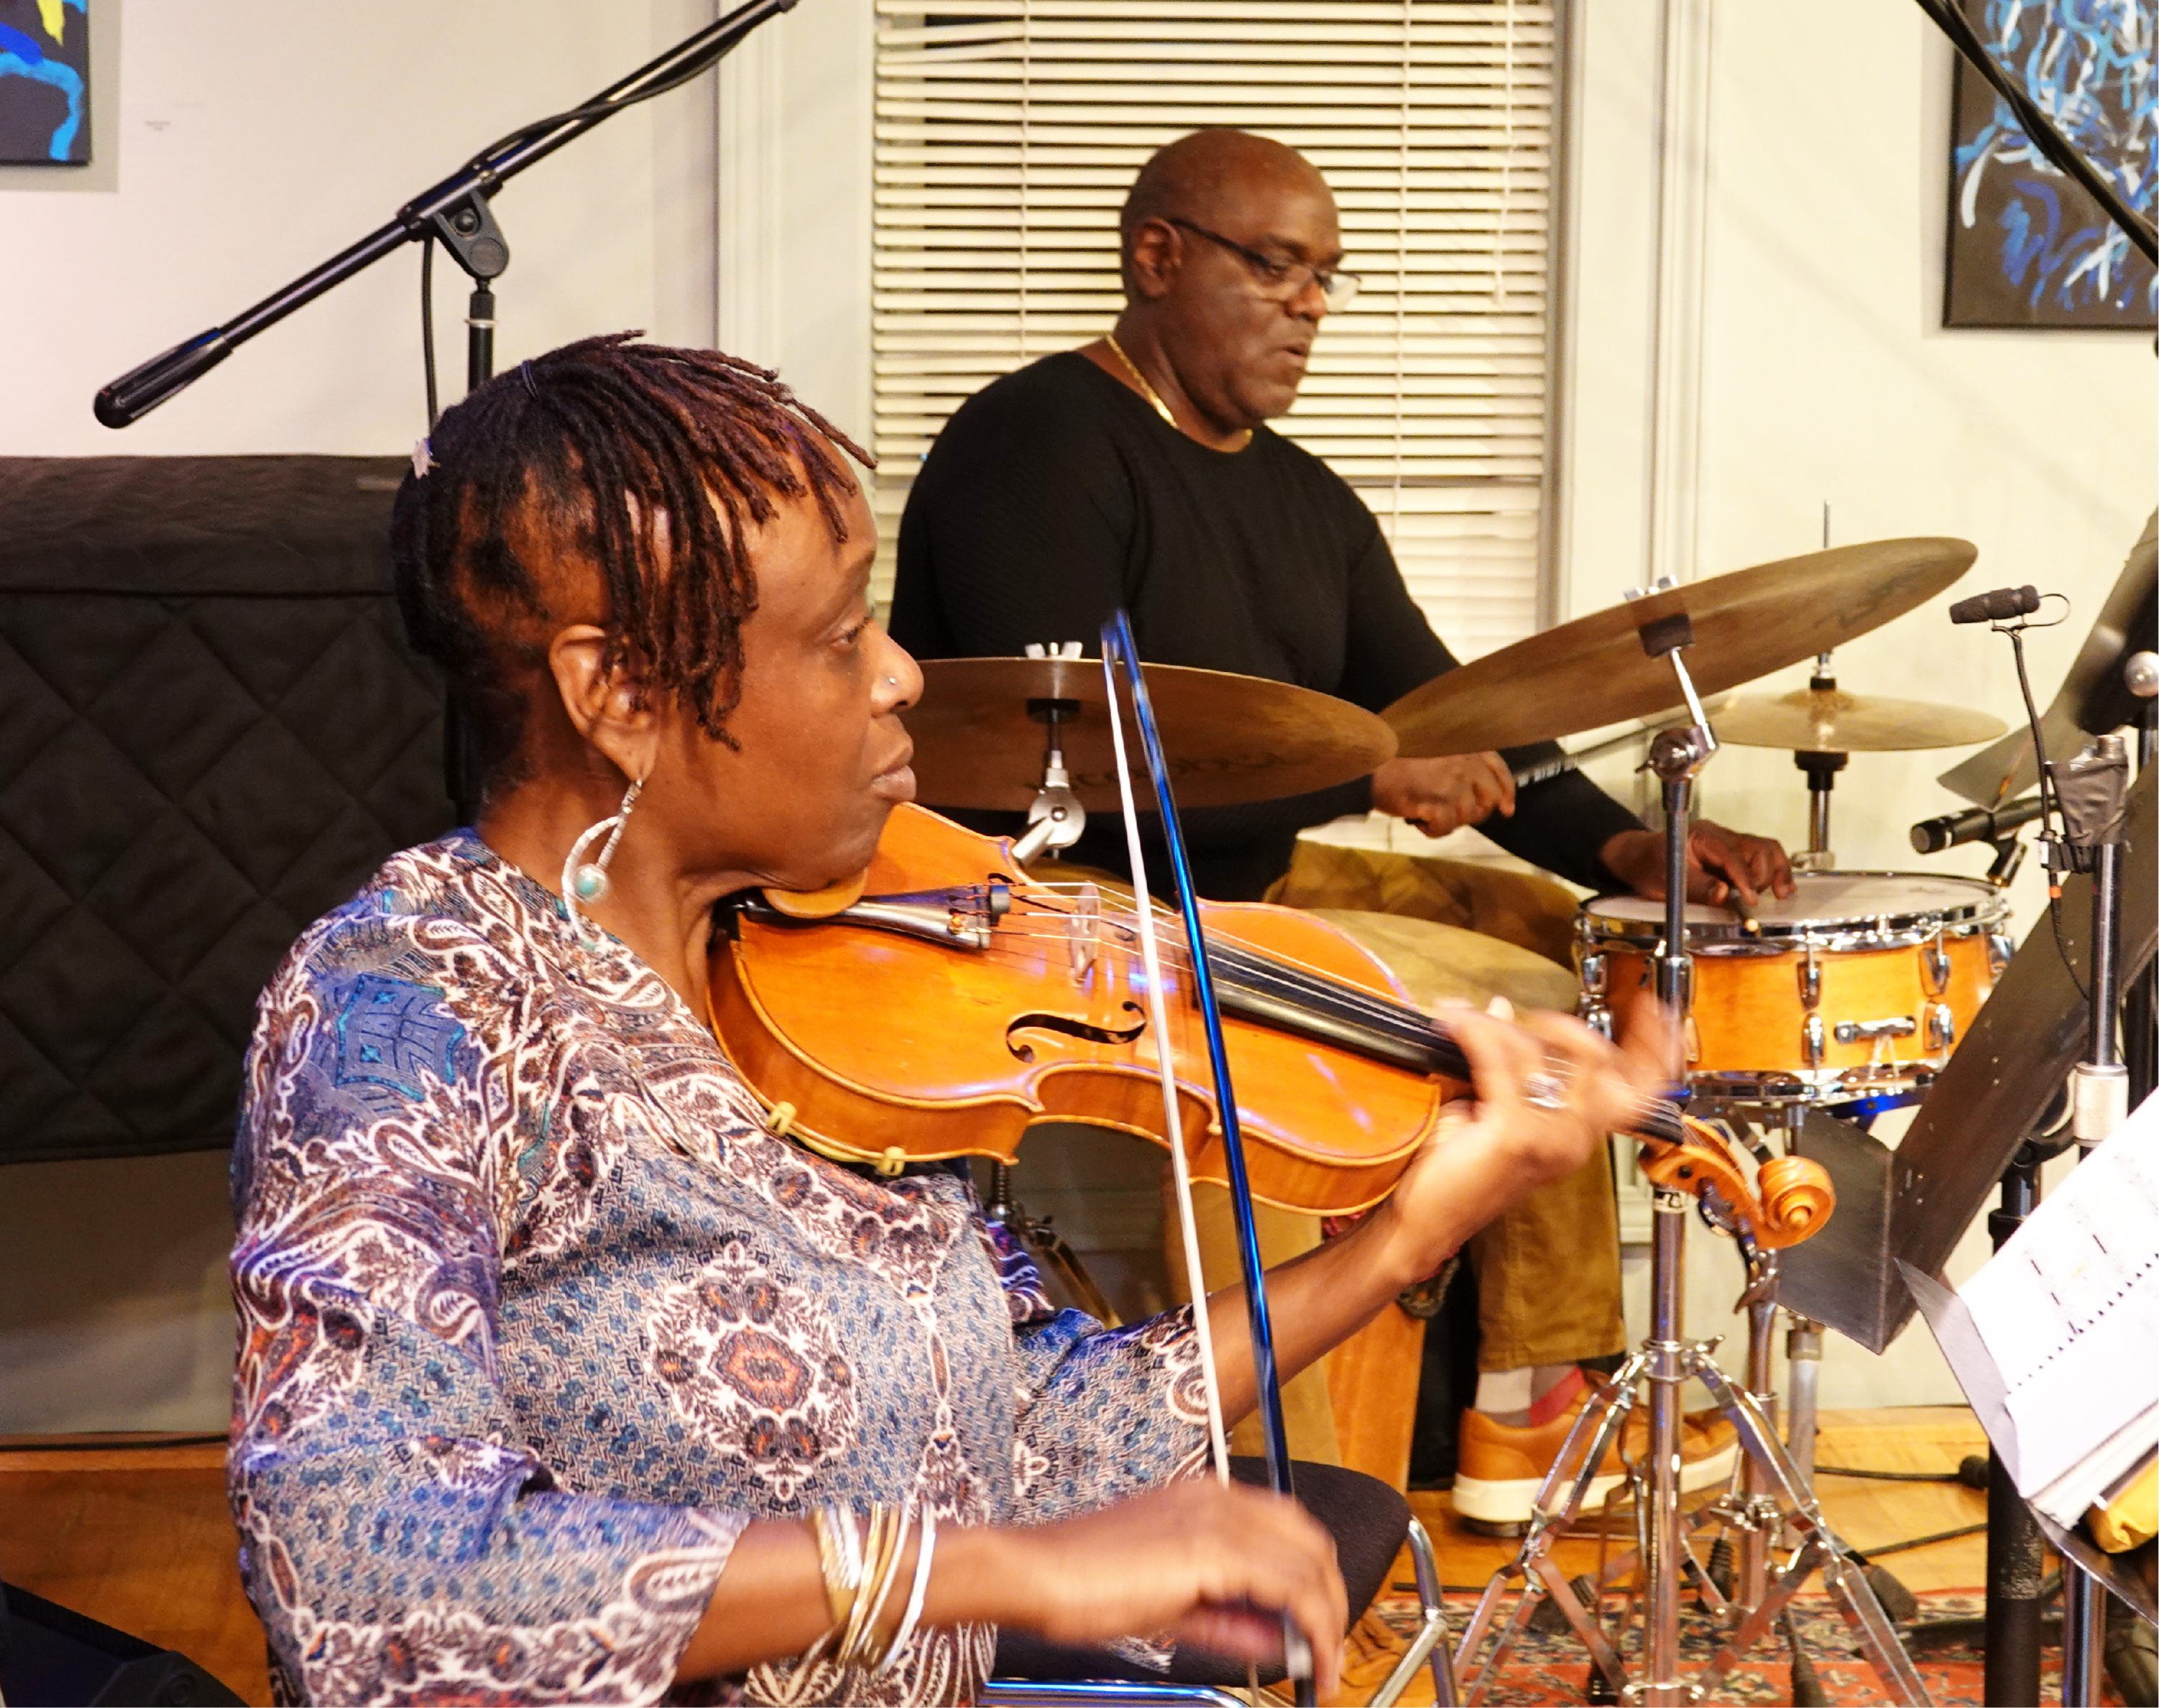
1240	967
1283	979
1400	1019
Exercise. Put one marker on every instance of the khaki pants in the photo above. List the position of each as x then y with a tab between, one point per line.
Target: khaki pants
1548	1271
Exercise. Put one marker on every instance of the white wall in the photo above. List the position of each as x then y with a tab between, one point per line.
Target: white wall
244	142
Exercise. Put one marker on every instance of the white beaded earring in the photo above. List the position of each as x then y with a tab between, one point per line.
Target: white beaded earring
587	881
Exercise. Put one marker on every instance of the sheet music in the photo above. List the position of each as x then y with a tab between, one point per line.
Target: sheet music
2069	1311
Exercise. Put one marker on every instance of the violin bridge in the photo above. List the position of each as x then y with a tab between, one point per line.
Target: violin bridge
1081	928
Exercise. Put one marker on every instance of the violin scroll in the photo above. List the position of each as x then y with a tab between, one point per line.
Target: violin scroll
1796	1198
1788	1201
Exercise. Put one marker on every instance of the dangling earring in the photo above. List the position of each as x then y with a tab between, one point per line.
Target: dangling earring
587	881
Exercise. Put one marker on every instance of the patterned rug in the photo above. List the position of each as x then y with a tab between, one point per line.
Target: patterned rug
1546	1669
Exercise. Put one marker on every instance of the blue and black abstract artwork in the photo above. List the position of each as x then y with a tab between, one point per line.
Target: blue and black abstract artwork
44	83
2027	247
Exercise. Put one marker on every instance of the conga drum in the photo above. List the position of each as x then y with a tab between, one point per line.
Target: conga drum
1372	1377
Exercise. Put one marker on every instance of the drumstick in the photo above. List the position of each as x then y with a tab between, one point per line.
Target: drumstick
1741	912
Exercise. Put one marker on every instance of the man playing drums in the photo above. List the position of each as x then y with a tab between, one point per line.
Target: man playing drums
1140	471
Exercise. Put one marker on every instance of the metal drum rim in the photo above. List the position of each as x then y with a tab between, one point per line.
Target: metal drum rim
1837	934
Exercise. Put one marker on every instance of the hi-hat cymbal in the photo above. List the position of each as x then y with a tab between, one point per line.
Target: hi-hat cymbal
1227	739
1593	672
1830	721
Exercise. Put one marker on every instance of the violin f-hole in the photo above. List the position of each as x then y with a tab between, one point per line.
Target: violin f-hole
1070	1028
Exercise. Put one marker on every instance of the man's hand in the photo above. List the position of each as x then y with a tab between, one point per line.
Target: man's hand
1439	795
1718	863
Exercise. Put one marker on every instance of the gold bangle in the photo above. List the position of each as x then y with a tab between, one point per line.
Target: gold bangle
839	1558
878	1593
883	1531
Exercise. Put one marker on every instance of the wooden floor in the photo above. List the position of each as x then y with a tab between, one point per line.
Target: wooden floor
140	1537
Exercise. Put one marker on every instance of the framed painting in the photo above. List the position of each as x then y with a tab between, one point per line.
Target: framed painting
2027	246
44	83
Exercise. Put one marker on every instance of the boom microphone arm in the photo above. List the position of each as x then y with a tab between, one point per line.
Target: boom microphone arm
446	210
2041	129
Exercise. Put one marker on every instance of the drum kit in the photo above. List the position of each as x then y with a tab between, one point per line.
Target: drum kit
1847	998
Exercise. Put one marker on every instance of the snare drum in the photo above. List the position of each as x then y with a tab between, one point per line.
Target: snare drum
1860	984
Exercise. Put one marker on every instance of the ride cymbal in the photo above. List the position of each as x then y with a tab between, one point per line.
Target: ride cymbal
1830	721
1227	739
1593	672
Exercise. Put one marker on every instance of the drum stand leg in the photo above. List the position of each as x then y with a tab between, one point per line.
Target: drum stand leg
1666	1362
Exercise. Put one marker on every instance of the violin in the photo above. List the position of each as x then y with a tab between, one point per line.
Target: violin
942	1003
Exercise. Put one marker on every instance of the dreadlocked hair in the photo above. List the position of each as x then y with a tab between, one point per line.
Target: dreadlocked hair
646	462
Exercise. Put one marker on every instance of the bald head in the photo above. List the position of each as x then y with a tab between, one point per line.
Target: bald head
1226	238
1196	176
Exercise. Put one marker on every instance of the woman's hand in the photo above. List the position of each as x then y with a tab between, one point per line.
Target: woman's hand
1719	861
1439	795
1215	1566
1548	1090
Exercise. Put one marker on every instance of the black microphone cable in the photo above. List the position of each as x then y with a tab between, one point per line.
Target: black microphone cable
2008	612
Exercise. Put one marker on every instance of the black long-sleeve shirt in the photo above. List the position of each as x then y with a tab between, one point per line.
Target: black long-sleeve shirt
1057	494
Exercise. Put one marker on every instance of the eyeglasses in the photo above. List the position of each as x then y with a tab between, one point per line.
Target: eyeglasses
1282	280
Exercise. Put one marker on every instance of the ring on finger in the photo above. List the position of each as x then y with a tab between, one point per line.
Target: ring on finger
1546	1088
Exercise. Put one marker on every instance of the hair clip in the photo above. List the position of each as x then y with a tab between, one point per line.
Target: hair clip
423	459
524	369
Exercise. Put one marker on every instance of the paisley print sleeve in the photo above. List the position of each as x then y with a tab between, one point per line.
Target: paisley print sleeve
1102	1413
399	1541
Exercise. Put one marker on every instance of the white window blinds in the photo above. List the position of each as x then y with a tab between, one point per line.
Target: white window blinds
1008	131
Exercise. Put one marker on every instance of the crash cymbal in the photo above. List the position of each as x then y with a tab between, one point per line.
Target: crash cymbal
1227	738
1830	721
1593	672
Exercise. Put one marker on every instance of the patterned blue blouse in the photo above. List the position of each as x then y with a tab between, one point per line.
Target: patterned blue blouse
535	1315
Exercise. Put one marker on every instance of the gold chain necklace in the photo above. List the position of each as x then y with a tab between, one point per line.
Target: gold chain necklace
1133	368
1154	396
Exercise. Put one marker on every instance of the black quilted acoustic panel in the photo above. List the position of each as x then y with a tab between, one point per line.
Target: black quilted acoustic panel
211	731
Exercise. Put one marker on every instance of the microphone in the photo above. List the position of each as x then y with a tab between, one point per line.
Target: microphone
1994	607
1974	824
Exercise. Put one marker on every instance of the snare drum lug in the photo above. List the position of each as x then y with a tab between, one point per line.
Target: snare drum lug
1934	967
1594	1015
2001	947
1811	979
1865	1030
1941	1025
1813	1044
1596	978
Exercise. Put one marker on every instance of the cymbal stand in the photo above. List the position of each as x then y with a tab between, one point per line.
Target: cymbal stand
1666	1362
1821	769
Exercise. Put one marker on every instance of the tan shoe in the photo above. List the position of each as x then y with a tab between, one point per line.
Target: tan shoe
1502	1465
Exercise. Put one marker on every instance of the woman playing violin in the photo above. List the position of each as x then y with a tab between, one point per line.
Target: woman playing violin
562	1377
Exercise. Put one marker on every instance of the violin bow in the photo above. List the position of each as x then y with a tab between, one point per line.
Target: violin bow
1120	660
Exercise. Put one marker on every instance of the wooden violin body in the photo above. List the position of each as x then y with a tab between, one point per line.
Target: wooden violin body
947	1002
882	1042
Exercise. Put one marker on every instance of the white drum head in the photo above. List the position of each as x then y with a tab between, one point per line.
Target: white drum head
1821	901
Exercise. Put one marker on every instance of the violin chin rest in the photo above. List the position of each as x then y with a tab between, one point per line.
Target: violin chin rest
820	903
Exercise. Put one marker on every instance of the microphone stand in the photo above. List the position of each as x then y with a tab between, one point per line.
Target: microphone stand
455	211
2093	803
